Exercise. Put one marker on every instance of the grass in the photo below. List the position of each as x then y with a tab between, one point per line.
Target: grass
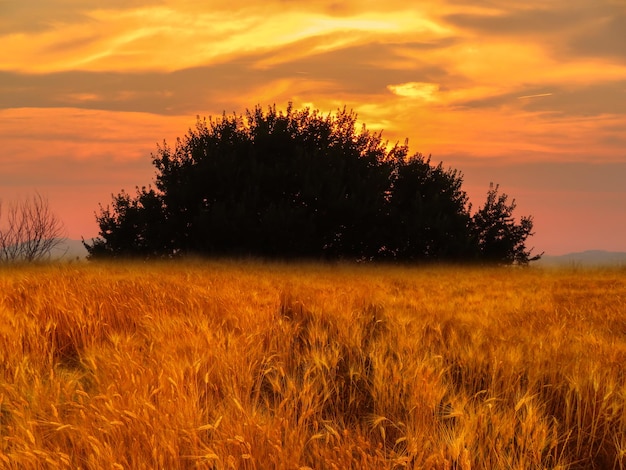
253	365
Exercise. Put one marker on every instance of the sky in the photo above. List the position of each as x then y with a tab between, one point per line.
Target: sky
527	94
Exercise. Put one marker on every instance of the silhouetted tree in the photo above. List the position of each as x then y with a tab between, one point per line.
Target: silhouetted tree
274	184
29	230
133	227
500	239
428	212
290	184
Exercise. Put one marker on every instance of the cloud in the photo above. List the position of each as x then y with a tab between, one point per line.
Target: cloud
604	37
363	70
418	90
36	16
518	22
560	99
576	28
592	100
187	34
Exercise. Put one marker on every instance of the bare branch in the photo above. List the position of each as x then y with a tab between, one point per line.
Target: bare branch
30	231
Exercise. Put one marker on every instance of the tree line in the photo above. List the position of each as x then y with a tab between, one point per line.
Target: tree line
298	184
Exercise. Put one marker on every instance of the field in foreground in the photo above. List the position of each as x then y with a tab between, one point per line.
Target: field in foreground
253	366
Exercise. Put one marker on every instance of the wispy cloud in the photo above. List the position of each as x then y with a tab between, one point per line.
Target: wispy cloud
537	95
167	37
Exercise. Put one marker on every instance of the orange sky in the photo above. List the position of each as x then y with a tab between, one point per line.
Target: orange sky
528	94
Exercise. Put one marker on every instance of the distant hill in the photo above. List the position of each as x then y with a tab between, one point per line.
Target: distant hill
70	250
585	258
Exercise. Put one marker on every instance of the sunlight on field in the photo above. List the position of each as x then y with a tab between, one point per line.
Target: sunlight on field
255	365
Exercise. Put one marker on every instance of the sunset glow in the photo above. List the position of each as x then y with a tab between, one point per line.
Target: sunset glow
530	95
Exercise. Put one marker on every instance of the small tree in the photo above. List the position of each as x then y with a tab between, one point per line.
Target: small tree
29	230
500	239
131	228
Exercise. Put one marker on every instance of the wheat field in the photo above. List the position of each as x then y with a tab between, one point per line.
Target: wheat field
253	365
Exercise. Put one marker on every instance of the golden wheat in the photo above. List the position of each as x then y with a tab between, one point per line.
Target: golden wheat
267	365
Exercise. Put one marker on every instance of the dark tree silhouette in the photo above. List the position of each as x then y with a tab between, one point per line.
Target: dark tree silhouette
428	212
132	228
292	184
500	239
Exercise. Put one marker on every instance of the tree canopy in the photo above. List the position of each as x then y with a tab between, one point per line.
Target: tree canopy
300	184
